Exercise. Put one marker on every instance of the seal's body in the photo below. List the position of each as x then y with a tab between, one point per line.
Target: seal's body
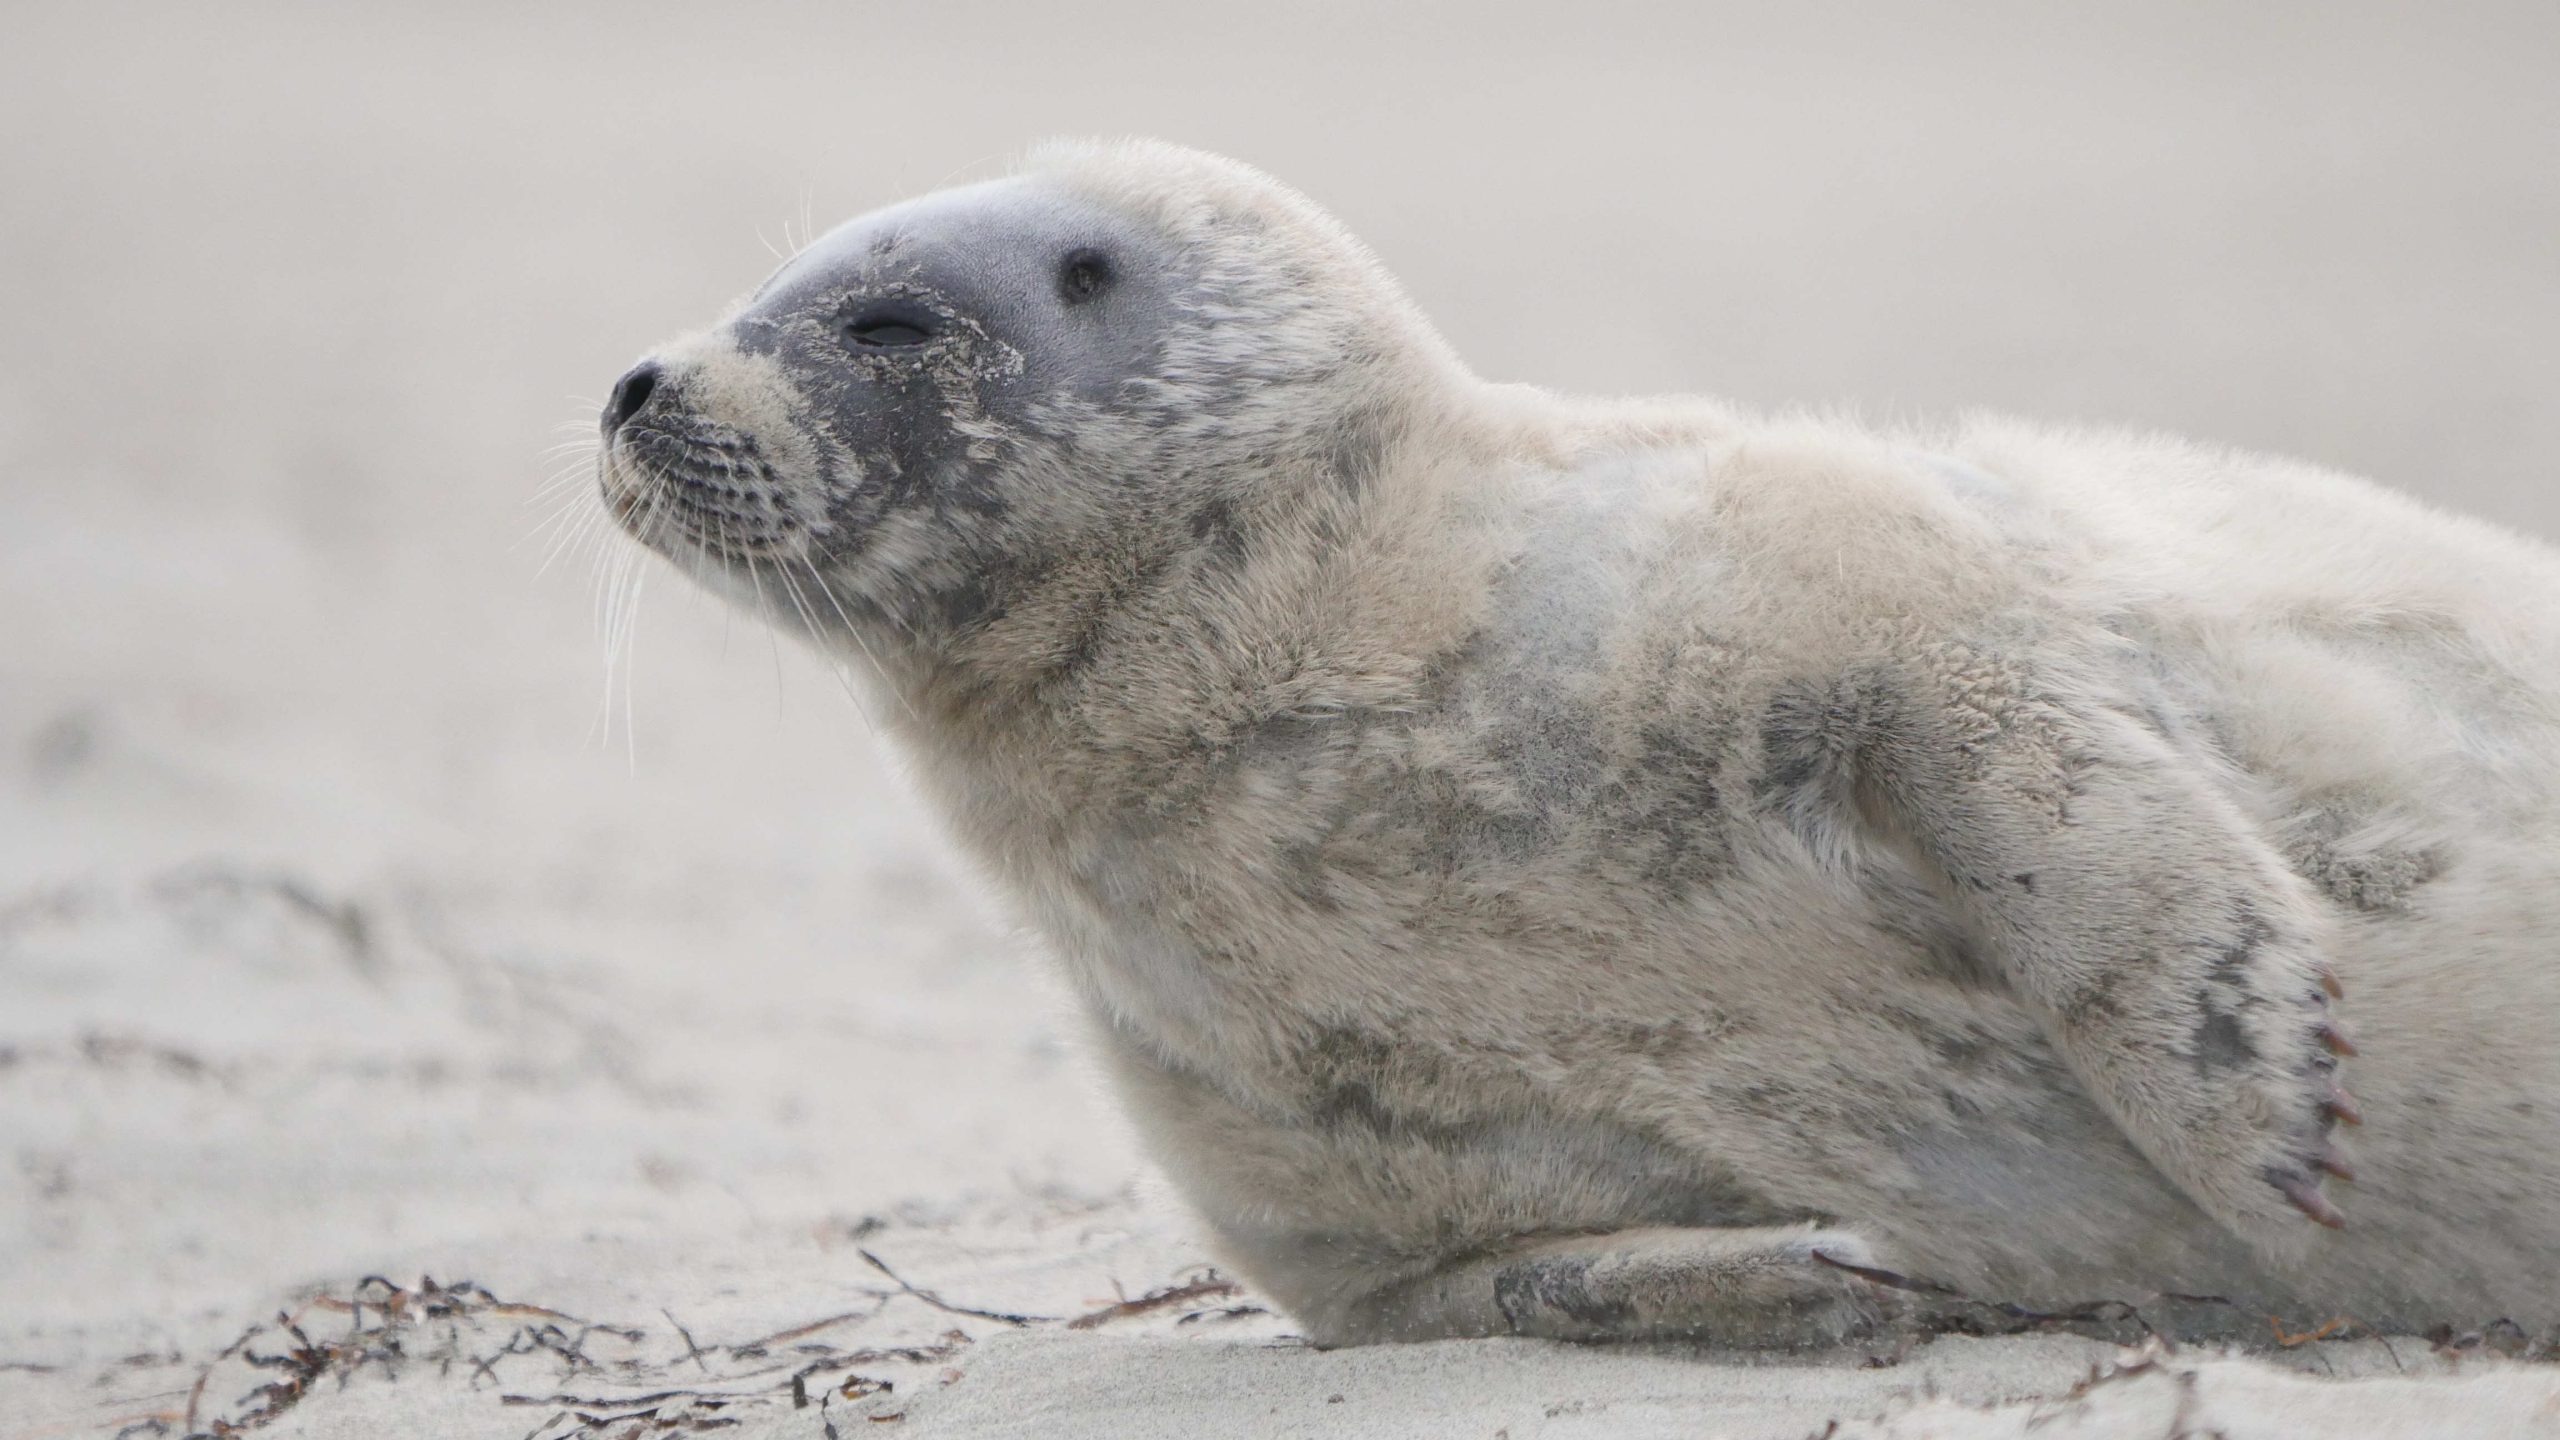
1611	870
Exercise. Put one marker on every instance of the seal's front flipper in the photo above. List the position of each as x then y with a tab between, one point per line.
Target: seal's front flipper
2177	959
1744	1287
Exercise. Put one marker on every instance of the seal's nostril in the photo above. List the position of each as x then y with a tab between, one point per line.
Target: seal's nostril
630	393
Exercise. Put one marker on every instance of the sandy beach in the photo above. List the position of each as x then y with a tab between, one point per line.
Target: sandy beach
422	1014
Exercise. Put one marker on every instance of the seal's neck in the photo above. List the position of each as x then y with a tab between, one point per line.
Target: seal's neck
1120	676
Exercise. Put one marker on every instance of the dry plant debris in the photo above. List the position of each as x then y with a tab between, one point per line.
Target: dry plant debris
601	1381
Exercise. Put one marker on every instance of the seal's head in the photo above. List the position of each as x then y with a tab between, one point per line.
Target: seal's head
1119	349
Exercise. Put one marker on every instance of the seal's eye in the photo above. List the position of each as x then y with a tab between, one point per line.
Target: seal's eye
887	325
1084	274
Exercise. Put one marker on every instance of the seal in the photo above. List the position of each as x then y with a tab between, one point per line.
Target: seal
1618	870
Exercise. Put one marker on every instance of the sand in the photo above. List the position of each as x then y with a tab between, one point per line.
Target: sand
500	1058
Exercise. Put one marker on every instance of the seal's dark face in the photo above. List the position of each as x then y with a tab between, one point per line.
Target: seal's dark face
1023	401
901	400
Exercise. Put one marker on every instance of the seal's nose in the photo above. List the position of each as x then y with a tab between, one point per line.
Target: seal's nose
630	393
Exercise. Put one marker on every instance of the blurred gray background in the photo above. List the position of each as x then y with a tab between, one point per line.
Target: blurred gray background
296	298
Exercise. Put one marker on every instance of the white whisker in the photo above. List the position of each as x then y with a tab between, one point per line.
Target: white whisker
764	613
855	633
834	664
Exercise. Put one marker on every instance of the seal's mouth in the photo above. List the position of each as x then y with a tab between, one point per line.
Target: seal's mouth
680	477
675	476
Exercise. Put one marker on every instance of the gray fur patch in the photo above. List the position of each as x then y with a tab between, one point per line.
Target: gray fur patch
1215	526
1348	1073
2251	933
2221	1043
1664	809
1455	821
1811	737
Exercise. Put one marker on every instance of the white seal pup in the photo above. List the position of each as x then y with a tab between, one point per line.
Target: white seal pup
1597	869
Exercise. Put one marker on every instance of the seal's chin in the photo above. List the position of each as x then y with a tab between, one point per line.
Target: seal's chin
694	489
